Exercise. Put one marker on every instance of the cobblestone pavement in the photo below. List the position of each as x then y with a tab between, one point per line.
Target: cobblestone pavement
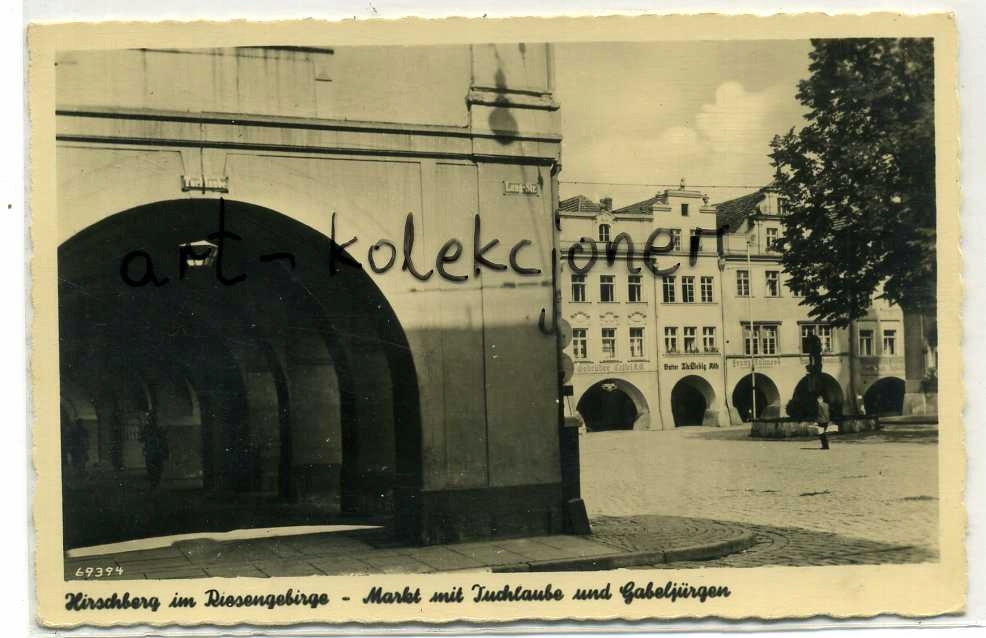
331	553
799	547
618	542
772	545
873	496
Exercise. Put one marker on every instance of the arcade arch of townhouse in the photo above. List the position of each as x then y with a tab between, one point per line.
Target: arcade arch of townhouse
306	391
720	336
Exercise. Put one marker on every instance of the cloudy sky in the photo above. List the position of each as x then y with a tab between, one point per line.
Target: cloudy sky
652	113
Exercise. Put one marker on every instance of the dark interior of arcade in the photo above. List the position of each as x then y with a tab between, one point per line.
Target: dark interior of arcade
752	397
606	406
233	387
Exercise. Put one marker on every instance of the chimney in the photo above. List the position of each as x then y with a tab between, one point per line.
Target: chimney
606	203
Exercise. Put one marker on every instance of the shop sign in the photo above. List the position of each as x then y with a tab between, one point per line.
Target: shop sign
701	366
761	362
593	368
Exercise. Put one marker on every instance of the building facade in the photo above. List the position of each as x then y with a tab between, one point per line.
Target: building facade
720	339
230	358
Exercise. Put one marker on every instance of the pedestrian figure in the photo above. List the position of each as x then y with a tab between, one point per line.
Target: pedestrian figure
823	421
155	449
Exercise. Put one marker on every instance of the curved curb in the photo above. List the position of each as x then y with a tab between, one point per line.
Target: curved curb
707	551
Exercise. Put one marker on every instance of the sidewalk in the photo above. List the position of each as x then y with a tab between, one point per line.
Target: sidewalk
620	542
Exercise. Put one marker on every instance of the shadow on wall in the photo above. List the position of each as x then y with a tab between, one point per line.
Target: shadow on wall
501	121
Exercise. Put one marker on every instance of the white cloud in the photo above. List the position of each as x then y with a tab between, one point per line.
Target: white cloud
740	121
725	141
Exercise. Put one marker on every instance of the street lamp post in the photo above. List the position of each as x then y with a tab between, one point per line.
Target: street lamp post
752	343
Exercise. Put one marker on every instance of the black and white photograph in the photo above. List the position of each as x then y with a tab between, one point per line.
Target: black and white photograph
495	309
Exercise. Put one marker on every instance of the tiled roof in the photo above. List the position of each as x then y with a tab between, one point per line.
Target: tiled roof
642	207
579	204
734	212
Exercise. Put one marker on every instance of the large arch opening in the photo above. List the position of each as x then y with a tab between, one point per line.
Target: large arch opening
885	397
613	404
831	391
763	394
693	402
286	398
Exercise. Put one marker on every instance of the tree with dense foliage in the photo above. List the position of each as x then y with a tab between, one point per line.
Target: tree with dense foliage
858	182
859	178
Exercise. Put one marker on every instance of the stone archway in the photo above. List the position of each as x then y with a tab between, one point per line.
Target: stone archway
693	402
830	390
285	394
614	404
768	398
885	397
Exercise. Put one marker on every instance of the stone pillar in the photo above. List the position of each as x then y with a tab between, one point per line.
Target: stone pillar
914	362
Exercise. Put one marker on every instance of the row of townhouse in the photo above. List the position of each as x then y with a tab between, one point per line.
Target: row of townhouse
719	339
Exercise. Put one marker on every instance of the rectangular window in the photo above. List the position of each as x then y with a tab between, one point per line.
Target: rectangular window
865	343
671	339
742	283
706	289
751	340
578	287
690	342
609	343
633	288
773	282
806	331
688	289
709	339
580	343
668	288
675	240
604	232
768	339
771	239
684	210
607	290
890	342
636	342
823	332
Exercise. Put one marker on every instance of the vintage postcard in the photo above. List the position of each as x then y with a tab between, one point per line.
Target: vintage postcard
468	320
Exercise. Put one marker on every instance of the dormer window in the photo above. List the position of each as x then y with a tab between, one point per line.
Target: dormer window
604	232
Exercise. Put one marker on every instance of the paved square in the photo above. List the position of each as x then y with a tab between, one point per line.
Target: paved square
880	487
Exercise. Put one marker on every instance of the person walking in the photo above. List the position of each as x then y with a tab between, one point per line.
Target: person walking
823	421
